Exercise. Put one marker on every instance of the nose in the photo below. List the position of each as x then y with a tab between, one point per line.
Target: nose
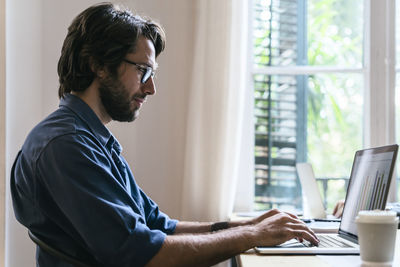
149	87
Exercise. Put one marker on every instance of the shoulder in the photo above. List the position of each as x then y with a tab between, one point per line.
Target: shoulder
60	128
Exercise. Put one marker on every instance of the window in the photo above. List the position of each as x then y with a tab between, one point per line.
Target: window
314	88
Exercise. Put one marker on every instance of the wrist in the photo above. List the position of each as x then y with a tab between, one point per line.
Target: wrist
219	226
254	221
251	236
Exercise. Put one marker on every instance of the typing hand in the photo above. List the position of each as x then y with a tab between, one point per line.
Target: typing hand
280	227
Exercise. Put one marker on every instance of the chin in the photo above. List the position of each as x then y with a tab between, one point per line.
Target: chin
134	117
126	118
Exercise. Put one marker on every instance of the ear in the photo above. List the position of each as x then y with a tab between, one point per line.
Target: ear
96	68
100	73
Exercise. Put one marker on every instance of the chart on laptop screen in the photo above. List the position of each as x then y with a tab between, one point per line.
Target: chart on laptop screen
370	176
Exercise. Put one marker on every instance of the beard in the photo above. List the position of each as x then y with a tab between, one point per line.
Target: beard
116	101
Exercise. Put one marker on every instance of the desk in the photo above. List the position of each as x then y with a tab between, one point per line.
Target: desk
252	259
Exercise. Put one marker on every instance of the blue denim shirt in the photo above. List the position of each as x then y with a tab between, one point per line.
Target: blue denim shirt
71	186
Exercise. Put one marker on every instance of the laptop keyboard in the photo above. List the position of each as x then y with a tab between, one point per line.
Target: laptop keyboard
329	241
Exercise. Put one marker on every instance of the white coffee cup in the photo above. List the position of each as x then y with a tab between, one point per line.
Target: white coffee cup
377	235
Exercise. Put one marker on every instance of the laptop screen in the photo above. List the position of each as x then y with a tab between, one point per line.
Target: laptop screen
369	184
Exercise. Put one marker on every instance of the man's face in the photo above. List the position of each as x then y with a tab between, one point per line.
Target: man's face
123	95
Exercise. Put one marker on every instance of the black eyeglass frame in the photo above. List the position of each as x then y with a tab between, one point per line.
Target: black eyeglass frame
147	71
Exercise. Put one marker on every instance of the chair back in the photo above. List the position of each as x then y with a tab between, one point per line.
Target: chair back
56	252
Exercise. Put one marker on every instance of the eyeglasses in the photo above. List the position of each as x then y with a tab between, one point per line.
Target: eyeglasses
147	71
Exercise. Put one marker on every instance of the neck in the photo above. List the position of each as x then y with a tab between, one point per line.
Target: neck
91	96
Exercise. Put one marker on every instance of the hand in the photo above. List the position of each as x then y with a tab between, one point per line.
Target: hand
269	214
338	209
278	227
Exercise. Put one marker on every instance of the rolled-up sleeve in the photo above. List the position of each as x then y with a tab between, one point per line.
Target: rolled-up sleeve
155	218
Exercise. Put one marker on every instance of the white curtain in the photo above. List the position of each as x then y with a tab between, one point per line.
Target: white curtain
215	110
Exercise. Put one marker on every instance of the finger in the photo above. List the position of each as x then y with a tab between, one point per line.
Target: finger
264	216
336	214
273	212
303	227
292	215
307	236
268	214
295	223
292	219
339	211
335	209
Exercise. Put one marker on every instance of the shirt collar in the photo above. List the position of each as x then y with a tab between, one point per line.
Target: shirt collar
83	111
114	144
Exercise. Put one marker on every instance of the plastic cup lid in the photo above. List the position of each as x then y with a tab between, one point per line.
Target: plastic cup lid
376	216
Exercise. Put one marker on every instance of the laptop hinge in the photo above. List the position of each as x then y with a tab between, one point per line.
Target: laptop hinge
348	237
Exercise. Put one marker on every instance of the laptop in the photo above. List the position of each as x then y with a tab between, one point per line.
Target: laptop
368	189
314	214
313	206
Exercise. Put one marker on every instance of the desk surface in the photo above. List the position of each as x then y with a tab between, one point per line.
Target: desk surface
254	260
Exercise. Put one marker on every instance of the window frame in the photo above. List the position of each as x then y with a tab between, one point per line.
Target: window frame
380	77
379	74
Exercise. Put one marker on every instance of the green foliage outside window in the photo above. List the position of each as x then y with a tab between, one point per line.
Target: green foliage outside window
335	100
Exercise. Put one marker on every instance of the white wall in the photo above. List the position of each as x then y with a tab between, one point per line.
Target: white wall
2	126
153	145
23	105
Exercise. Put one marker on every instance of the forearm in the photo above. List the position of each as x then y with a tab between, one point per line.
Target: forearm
209	248
203	249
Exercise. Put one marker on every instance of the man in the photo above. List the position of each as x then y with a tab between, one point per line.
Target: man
71	186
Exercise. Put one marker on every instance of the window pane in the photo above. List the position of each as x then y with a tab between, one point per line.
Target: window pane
335	32
275	27
325	33
277	104
334	127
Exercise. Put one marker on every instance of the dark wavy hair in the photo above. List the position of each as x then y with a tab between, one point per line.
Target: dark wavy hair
100	37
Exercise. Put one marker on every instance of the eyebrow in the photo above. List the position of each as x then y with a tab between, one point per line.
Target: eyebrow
154	67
